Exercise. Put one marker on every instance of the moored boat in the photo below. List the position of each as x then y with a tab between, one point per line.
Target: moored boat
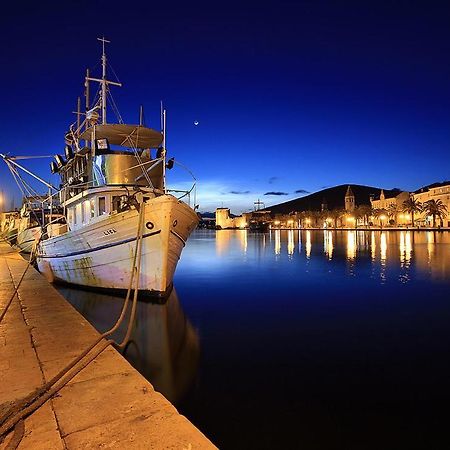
114	194
9	226
36	213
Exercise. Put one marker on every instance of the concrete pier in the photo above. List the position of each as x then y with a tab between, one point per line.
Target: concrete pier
107	405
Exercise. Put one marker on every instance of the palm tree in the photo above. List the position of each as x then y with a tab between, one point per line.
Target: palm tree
435	208
392	212
379	214
411	206
336	214
365	212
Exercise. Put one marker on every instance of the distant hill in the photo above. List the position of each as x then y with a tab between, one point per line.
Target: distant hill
208	215
333	197
431	186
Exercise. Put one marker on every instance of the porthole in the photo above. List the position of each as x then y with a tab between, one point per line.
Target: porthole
175	223
149	225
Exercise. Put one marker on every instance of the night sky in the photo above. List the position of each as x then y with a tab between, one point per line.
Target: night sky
289	96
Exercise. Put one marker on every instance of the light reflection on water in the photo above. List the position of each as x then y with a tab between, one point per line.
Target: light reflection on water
322	338
335	332
427	251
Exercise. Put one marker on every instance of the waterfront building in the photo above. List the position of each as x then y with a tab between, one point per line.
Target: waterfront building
224	219
349	200
390	209
436	191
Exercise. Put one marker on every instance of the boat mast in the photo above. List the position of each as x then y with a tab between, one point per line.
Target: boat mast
103	83
164	150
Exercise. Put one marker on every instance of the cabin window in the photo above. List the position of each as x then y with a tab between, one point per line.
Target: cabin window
70	216
82	213
92	207
79	213
101	206
116	203
86	210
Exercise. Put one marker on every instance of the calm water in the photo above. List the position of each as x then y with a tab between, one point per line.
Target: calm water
309	340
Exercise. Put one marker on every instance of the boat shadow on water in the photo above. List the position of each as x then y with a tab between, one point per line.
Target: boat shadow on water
164	346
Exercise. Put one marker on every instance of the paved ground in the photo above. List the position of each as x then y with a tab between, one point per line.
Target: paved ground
107	405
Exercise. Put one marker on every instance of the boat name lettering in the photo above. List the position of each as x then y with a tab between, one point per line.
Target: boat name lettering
110	231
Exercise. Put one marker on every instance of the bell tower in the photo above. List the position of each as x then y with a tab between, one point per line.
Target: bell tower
349	200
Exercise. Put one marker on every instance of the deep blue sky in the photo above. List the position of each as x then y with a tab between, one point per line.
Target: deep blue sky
289	96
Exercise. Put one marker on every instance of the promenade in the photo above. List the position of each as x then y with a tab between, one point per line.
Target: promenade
107	405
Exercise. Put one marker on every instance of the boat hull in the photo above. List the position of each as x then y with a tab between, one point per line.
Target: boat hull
27	238
100	255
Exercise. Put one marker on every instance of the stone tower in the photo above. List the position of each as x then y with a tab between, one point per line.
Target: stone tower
223	217
382	198
349	200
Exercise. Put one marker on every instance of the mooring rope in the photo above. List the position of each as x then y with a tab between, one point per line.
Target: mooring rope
8	303
27	405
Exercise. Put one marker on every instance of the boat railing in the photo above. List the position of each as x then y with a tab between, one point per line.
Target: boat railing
186	192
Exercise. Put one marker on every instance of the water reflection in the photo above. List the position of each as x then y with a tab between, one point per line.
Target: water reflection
351	245
291	243
164	346
308	245
328	243
407	250
277	242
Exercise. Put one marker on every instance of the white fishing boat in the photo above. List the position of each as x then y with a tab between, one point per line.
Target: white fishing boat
36	213
113	179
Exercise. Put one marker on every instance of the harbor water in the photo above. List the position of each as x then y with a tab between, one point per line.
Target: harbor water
301	339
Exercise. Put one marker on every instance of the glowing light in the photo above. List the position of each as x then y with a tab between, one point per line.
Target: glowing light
408	248
308	244
383	247
373	245
328	243
308	220
291	243
277	242
402	247
350	219
243	240
382	217
351	244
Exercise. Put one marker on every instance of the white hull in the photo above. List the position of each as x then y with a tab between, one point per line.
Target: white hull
26	238
100	255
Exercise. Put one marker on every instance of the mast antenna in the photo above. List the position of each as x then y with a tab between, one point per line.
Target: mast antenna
103	83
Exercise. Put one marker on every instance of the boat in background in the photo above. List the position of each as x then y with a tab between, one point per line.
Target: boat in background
9	226
36	213
112	176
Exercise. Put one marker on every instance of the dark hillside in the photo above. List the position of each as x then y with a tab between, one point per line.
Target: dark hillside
334	198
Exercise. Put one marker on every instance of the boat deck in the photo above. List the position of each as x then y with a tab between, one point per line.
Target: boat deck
107	405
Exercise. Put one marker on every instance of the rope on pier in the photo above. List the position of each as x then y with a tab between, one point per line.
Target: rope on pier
22	408
8	304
